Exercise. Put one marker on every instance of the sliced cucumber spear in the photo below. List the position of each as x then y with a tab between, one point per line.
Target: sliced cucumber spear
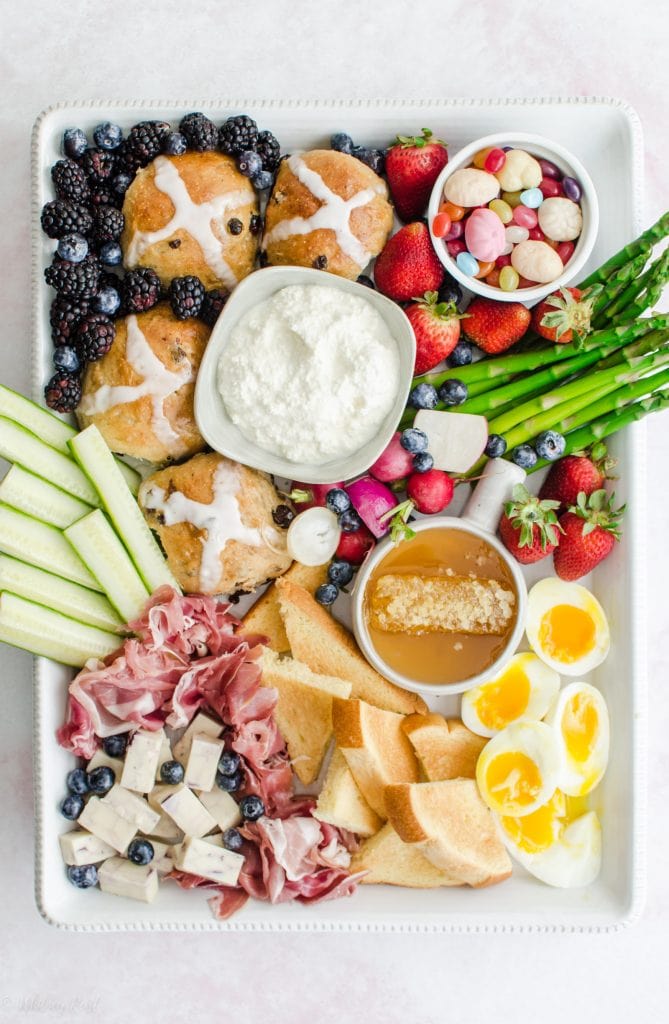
25	449
54	592
38	498
45	632
103	553
42	545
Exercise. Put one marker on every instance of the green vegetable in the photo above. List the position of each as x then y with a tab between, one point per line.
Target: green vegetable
42	631
644	242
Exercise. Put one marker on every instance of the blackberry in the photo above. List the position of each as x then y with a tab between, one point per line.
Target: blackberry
342	142
108	224
95	335
144	143
186	296
60	218
65	317
70	181
74	280
212	305
238	134
140	290
104	194
98	164
63	394
74	143
200	133
269	150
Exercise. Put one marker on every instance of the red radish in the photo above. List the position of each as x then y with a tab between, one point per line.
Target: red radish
394	463
354	546
372	500
305	496
430	492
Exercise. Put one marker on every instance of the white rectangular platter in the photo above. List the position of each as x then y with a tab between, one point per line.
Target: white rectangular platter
606	136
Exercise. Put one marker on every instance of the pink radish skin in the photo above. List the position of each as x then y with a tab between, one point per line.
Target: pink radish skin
394	463
318	494
371	500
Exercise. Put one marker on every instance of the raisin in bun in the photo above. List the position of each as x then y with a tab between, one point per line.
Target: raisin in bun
140	394
327	210
214	520
192	214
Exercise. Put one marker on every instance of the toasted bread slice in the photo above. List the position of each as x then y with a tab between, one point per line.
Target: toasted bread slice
304	710
341	803
445	747
375	747
449	823
326	646
389	861
264	617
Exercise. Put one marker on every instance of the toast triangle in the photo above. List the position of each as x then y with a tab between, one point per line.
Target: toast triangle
264	617
445	747
341	803
389	861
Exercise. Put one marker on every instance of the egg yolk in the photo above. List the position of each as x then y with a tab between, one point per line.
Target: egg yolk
538	830
513	779
580	726
505	700
567	633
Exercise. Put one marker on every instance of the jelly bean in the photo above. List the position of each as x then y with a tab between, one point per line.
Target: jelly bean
507	149
551	241
572	189
508	279
516	234
524	282
512	198
492	278
503	261
532	197
455	247
467	264
485	269
453	211
549	170
526	217
565	251
537	235
502	209
481	157
550	187
441	225
455	231
494	161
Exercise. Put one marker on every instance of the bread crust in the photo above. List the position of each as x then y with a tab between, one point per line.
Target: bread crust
264	617
390	861
445	747
340	801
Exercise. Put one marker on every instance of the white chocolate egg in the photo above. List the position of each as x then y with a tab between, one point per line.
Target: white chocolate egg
536	261
560	219
520	171
471	187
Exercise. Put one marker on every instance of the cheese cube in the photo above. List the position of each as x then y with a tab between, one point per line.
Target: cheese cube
216	839
102	760
103	821
205	753
162	861
222	807
165	755
123	878
81	847
141	760
185	809
201	723
158	794
166	830
198	857
132	808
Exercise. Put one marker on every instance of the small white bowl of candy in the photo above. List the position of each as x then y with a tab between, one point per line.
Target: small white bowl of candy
513	216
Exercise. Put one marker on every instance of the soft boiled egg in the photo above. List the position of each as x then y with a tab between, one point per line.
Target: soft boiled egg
566	626
557	851
517	771
580	721
525	688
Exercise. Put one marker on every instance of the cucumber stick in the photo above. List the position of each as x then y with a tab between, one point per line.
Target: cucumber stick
42	631
130	475
42	545
25	449
40	499
102	552
98	463
54	592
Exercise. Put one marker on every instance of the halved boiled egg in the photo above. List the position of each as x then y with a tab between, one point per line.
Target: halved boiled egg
517	771
557	851
580	720
526	688
566	626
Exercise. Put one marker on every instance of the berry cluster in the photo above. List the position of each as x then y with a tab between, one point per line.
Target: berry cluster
374	158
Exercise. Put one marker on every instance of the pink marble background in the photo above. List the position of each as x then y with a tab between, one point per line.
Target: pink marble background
330	48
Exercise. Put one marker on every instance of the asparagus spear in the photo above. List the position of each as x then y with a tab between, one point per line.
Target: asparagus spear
643	288
645	241
615	400
617	284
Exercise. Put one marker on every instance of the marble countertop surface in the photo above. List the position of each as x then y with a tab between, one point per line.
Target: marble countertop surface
329	48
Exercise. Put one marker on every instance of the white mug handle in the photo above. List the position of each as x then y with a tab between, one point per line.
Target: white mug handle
484	508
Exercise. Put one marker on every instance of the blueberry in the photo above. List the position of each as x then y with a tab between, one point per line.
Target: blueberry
461	355
72	806
414	441
115	746
172	772
495	447
342	142
75	143
111	254
337	500
524	456
251	807
450	290
340	572
229	763
108	135
373	158
366	281
140	851
549	445
262	180
232	840
66	358
77	781
423	462
101	779
73	248
82	875
327	594
423	396
229	783
175	144
107	301
121	183
453	392
350	521
249	163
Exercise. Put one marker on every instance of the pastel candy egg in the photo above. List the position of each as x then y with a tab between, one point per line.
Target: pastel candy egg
520	171
471	187
468	265
560	219
484	235
536	261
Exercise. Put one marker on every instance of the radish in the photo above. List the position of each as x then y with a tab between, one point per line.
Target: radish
354	546
456	440
313	536
372	500
305	496
430	492
394	463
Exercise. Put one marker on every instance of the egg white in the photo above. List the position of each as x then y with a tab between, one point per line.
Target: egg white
545	596
543	682
580	776
537	742
573	860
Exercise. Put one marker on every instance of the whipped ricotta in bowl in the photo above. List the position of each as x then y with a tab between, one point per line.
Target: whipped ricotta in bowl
310	373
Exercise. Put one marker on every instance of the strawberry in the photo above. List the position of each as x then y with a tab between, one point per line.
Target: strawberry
591	529
413	164
495	326
354	546
437	329
529	527
565	313
408	265
583	471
